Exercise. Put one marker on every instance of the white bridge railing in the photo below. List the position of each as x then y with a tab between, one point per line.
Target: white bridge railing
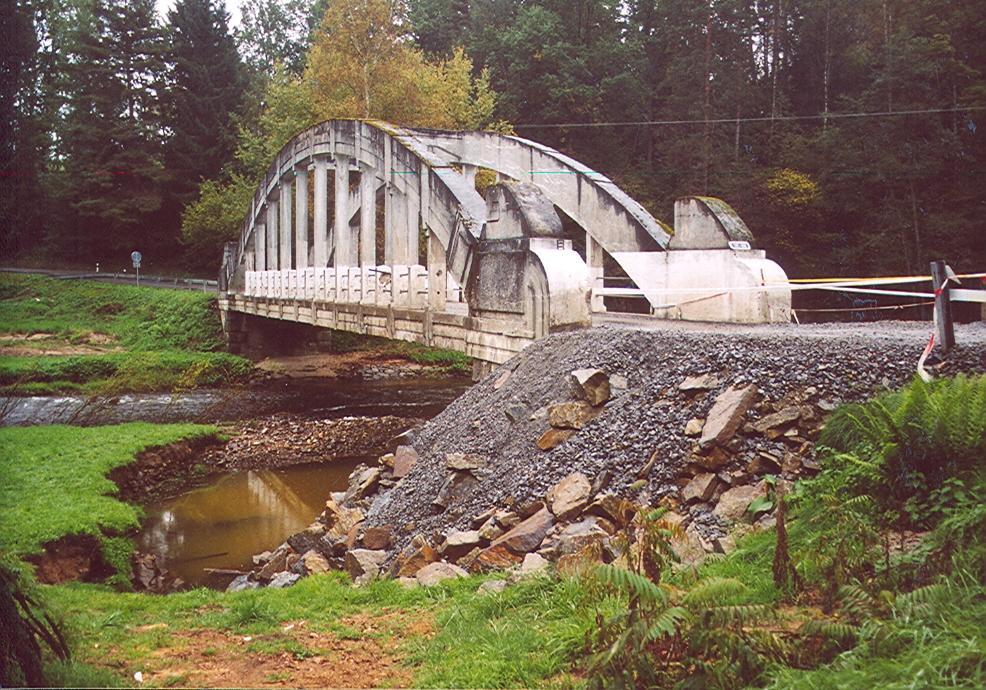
399	286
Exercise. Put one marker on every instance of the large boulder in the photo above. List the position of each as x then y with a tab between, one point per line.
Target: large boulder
315	563
570	496
464	461
578	535
459	543
734	503
363	482
405	457
417	555
364	565
457	486
433	573
786	417
522	539
701	488
593	385
571	415
727	414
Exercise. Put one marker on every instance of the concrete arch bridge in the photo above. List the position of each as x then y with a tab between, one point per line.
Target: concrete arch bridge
366	227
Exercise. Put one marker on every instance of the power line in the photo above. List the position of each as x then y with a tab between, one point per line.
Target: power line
735	120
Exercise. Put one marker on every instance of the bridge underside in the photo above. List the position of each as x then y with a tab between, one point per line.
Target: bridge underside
364	227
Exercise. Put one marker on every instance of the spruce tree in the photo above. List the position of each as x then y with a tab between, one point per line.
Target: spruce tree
112	139
206	91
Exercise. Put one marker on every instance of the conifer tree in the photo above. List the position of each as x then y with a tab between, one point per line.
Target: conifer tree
207	83
112	177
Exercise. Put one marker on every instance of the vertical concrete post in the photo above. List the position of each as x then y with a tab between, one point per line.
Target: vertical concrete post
368	218
260	247
396	229
286	230
273	259
301	217
413	226
594	260
321	212
343	238
437	276
389	248
469	172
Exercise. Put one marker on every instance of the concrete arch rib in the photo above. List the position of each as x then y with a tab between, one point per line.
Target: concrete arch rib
606	212
450	207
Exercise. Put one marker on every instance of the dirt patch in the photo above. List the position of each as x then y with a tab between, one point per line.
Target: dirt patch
367	655
72	557
165	470
364	364
49	344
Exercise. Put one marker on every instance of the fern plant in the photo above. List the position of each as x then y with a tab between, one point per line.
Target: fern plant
914	439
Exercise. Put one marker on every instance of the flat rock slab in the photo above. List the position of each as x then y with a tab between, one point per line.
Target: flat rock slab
528	535
727	414
405	458
570	496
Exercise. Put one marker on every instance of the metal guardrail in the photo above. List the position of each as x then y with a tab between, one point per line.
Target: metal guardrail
158	281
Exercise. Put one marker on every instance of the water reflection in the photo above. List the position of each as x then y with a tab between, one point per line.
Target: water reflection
222	525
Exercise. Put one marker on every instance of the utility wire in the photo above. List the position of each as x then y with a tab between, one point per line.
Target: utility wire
777	118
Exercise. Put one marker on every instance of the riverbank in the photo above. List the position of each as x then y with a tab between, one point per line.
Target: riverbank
60	336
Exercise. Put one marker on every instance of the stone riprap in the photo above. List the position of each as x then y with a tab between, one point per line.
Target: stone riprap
815	367
483	495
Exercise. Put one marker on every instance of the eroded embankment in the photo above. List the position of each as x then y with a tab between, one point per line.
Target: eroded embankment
695	420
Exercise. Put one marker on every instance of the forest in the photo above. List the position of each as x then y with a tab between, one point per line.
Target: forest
845	132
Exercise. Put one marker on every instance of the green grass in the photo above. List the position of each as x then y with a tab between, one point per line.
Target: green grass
529	633
54	483
169	338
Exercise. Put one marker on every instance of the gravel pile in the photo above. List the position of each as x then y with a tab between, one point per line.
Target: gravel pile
502	417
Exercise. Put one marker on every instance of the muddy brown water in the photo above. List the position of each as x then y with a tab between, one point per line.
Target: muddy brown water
224	524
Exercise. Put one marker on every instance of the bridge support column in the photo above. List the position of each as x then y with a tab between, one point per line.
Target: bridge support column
412	218
437	277
469	172
284	226
395	228
321	213
343	236
367	218
273	261
260	247
594	260
301	217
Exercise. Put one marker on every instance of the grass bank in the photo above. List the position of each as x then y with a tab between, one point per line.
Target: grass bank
55	484
452	360
90	337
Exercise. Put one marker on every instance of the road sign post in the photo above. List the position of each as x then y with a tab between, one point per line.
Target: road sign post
135	256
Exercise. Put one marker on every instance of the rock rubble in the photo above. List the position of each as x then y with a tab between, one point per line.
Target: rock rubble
614	420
